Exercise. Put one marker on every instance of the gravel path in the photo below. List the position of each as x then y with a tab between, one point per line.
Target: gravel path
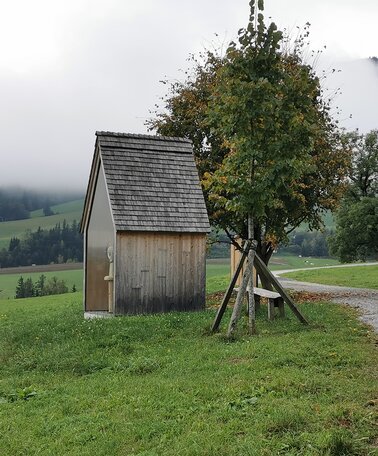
363	299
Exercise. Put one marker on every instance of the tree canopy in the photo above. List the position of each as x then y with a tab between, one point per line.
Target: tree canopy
263	136
364	170
356	236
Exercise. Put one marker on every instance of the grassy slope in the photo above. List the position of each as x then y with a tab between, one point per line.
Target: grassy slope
68	211
158	385
64	208
359	276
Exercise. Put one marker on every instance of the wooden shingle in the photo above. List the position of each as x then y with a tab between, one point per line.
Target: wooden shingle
152	183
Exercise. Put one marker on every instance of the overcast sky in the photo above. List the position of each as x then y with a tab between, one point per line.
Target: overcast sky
69	68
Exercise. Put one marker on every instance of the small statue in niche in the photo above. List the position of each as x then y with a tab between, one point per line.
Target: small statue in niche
110	277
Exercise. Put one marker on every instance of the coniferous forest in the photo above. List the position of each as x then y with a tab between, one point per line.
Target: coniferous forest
60	244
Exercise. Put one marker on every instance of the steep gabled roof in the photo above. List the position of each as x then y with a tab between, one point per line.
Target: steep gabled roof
152	183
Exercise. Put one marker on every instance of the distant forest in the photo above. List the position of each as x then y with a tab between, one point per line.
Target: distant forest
16	204
60	244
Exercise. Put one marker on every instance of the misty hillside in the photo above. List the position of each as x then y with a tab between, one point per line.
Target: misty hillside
18	203
69	211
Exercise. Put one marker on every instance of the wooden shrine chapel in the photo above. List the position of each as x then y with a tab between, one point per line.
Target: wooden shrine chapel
145	225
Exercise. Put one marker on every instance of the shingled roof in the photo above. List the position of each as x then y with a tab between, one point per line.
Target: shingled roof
152	182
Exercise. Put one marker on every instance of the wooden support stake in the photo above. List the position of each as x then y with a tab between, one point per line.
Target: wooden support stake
230	289
270	309
251	295
239	302
264	271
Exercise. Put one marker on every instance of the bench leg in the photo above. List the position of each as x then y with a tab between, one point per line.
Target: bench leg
270	309
257	302
281	307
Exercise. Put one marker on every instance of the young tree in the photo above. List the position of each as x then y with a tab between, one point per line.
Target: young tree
55	286
20	288
29	288
40	285
268	150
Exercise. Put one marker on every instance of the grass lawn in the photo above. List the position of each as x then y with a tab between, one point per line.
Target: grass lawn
161	385
217	275
358	276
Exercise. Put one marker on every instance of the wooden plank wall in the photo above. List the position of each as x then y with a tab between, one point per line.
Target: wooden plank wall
159	272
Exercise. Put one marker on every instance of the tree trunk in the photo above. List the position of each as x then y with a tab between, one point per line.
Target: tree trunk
251	296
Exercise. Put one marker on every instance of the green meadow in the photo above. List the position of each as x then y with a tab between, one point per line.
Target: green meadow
67	211
218	270
8	282
162	385
217	273
358	276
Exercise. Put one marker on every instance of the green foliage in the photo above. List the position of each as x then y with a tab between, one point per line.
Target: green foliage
263	138
20	289
53	286
357	220
47	211
268	107
356	236
307	244
57	245
25	288
157	385
364	170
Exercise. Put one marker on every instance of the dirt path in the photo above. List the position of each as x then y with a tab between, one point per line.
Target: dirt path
363	299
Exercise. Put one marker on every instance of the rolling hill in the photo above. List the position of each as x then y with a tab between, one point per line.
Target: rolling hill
68	211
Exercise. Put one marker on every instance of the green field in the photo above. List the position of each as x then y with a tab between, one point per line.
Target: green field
279	262
358	276
68	211
8	282
161	385
217	273
75	206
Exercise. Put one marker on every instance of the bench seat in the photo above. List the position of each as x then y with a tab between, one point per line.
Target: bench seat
274	300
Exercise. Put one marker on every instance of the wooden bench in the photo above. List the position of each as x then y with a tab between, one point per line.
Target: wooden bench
274	300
